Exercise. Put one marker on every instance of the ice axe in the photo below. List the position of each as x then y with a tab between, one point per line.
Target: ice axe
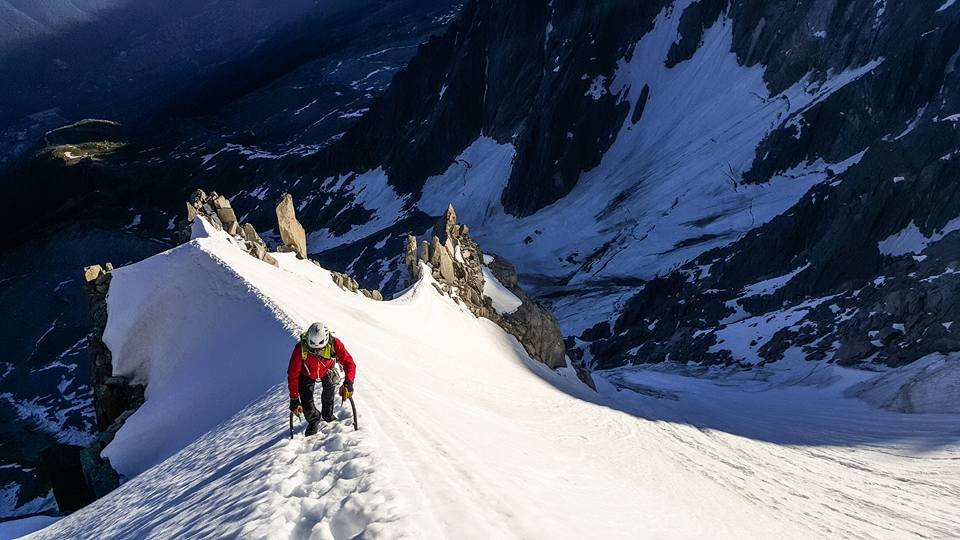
353	407
291	423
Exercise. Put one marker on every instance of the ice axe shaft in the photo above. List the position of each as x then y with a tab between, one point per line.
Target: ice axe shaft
353	407
291	423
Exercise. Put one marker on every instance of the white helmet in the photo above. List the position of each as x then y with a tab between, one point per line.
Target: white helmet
318	335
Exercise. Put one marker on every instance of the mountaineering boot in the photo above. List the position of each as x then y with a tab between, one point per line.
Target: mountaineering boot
312	427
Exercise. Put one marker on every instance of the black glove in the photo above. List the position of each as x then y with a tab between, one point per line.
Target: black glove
349	385
295	407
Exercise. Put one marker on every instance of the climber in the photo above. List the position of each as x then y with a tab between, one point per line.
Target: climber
313	360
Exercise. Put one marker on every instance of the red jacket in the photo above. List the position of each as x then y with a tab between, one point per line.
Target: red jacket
317	367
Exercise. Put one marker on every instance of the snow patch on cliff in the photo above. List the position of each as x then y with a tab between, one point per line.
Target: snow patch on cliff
371	193
911	240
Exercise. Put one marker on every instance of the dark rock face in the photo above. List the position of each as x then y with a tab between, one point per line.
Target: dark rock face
99	476
535	326
698	17
916	52
493	72
61	466
532	324
852	302
505	70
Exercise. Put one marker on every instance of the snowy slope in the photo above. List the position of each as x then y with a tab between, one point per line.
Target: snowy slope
669	188
462	435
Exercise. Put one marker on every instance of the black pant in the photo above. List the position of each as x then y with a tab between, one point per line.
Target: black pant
310	411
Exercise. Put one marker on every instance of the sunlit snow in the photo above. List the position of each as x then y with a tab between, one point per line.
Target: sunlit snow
462	435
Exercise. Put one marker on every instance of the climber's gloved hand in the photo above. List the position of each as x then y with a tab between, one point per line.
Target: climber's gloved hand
346	391
295	407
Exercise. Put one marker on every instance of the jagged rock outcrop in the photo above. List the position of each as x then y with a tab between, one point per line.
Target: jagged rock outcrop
456	262
456	265
113	396
410	258
291	231
226	214
531	323
114	399
217	210
348	283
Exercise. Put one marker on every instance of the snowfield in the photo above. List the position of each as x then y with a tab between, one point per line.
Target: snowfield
464	436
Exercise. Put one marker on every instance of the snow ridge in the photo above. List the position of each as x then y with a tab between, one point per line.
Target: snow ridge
463	435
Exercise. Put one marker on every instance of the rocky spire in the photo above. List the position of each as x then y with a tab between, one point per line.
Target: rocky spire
216	209
456	264
446	227
291	231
